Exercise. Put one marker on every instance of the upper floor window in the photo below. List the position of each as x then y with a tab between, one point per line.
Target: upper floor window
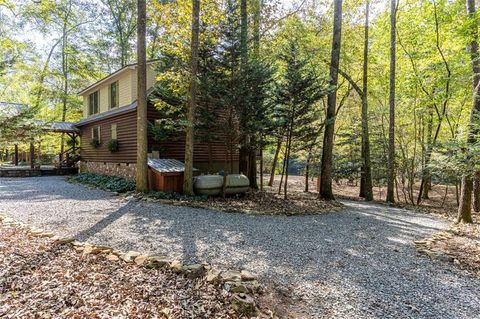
93	103
114	95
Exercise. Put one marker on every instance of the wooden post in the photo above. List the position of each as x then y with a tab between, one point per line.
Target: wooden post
15	159
32	155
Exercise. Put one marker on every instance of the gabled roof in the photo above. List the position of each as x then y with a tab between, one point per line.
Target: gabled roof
108	77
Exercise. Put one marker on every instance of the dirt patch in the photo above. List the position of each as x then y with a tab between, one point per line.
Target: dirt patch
264	203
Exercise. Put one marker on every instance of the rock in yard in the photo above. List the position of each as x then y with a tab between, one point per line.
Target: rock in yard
112	257
244	304
36	232
140	259
193	271
213	276
130	256
247	276
231	276
64	240
240	288
176	266
157	262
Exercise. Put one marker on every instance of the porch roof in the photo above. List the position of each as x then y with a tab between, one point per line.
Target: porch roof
60	127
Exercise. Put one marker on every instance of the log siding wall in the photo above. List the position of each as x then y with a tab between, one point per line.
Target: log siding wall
127	137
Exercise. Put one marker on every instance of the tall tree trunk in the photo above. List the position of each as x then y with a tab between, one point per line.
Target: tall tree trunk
476	192
367	167
32	155
244	139
465	207
391	131
192	92
326	191
425	183
142	141
15	155
275	160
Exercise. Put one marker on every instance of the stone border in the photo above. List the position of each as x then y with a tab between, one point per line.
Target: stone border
241	284
424	247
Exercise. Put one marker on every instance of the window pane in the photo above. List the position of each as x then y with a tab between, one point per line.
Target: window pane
113	95
114	131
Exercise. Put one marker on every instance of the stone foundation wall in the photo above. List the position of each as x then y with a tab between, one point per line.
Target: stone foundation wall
124	170
19	173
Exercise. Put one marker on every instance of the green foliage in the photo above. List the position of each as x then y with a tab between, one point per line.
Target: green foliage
176	196
94	142
113	146
110	183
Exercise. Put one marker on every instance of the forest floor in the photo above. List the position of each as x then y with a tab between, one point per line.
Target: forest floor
359	262
442	199
40	278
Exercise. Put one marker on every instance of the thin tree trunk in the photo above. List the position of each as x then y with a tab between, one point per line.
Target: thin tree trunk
261	168
283	173
275	160
444	196
307	173
326	191
457	194
465	207
391	132
367	167
287	157
142	141
192	99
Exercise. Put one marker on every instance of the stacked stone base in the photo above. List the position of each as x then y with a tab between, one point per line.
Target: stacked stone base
124	170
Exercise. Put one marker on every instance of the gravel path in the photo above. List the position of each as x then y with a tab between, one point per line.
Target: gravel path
358	263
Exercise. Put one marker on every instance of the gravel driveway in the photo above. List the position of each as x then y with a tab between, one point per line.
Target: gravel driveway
358	263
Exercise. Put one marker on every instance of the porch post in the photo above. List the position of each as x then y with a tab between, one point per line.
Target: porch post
15	159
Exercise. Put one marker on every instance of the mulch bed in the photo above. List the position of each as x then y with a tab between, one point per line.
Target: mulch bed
265	203
460	245
43	279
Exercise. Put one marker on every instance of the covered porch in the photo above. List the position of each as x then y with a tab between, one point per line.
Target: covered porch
66	159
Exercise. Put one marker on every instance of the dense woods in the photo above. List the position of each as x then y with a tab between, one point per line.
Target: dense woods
360	91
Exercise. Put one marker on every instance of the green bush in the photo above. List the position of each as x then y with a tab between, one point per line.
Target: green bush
94	143
176	196
113	146
111	183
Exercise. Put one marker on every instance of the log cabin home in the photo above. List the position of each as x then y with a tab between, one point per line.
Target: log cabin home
109	114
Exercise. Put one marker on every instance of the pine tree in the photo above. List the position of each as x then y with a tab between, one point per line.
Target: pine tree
296	94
